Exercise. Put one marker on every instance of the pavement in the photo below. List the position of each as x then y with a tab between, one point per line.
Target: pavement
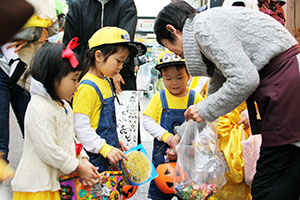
16	147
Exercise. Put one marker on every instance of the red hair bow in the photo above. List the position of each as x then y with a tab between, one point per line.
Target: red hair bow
68	53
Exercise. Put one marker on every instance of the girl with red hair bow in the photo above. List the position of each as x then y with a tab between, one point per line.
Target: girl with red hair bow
50	148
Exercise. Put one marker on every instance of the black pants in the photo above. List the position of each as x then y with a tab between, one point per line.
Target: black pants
277	174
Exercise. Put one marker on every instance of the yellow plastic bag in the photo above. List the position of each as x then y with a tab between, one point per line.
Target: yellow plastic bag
230	135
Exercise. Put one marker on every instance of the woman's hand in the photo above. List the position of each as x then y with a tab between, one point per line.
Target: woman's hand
87	172
115	155
192	113
118	79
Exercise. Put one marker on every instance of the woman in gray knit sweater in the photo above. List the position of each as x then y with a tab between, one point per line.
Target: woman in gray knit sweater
249	56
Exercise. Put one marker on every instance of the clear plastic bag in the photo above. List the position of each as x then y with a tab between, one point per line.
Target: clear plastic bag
147	77
200	167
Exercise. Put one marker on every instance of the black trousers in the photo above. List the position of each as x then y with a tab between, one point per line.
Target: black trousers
277	174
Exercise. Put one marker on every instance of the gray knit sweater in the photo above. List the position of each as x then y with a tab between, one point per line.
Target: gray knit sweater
240	42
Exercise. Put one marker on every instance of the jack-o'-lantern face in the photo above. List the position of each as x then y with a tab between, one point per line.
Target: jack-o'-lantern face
166	173
128	191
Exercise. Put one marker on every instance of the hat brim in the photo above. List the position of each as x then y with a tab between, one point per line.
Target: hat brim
160	66
136	48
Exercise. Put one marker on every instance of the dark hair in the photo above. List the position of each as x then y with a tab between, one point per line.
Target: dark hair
174	14
178	67
48	67
106	49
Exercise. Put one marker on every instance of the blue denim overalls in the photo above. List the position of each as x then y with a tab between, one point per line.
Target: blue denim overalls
107	128
169	119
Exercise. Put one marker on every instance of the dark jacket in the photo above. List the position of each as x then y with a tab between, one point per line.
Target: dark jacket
85	17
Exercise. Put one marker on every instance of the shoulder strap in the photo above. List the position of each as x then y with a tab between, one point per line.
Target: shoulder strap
163	99
19	70
91	83
111	87
255	124
191	98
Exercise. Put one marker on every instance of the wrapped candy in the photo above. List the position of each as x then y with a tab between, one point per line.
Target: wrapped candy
195	191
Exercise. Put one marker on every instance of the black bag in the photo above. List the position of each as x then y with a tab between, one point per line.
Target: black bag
20	69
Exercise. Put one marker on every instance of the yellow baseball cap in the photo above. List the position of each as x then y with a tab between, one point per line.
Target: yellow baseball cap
115	35
168	58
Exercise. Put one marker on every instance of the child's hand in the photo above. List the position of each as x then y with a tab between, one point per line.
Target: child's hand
122	146
115	155
19	44
171	154
172	141
88	173
6	172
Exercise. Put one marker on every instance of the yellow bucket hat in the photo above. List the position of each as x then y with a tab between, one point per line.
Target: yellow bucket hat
115	35
168	58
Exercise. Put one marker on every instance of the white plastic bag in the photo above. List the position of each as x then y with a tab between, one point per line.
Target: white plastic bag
200	167
251	149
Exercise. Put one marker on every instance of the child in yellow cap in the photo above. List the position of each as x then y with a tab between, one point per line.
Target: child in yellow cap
166	110
93	103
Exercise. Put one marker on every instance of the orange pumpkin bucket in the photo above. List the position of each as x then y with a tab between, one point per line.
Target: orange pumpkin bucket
128	191
166	174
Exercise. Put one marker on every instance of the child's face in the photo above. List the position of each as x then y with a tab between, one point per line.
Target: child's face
67	86
114	63
175	80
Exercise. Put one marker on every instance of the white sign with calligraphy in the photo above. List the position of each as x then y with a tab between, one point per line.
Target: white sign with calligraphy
127	117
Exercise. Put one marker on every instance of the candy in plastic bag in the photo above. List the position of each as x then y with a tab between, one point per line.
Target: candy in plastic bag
200	165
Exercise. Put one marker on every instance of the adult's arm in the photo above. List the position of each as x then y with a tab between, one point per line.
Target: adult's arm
30	34
128	18
71	29
220	44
